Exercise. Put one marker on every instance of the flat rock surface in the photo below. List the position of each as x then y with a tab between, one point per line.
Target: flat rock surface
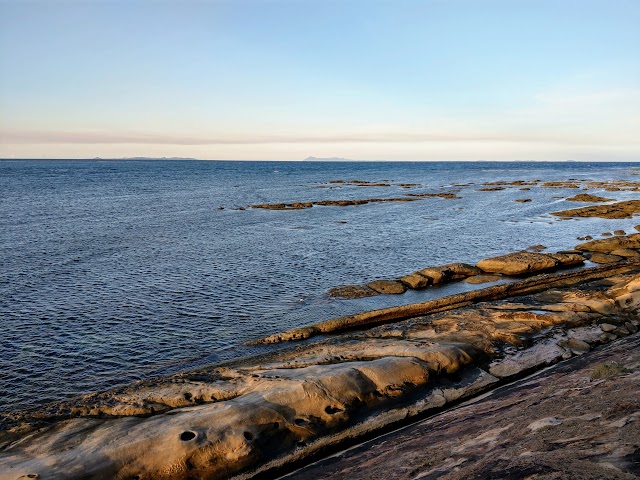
518	263
578	419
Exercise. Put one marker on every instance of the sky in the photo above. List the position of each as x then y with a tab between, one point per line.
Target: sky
283	80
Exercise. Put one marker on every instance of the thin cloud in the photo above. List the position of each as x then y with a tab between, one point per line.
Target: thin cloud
102	138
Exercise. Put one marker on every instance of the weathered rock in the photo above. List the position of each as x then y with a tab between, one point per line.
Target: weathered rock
625	252
604	258
586	197
415	281
387	287
578	347
607	327
607	245
461	270
436	274
522	200
615	210
567	259
252	413
589	431
619	232
518	263
476	279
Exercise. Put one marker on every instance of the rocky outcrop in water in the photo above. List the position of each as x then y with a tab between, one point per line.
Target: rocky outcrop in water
586	197
615	210
518	263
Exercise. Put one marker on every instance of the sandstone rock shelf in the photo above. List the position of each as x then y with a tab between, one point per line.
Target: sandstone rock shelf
261	414
543	426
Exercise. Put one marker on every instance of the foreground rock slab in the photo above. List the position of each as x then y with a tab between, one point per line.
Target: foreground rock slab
580	419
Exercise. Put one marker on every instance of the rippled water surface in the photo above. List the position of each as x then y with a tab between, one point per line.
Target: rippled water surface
118	270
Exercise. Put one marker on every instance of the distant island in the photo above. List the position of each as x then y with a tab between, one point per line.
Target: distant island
145	158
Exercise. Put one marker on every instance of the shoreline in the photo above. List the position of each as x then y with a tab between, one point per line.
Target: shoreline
262	414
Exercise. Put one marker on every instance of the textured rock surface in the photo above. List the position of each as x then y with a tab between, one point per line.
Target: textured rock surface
415	281
615	210
586	197
518	263
258	414
604	258
565	423
607	245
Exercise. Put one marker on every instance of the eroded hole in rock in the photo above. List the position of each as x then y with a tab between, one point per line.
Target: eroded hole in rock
276	424
188	435
248	435
331	410
300	421
187	396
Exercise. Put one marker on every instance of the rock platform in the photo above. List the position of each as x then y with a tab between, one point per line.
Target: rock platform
264	415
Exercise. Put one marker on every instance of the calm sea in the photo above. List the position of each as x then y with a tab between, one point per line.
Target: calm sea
113	271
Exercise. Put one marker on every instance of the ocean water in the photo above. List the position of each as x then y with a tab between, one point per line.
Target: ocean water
113	271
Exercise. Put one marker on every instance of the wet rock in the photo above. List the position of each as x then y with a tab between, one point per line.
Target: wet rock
477	279
619	232
615	210
607	245
606	234
352	291
518	263
537	248
585	197
604	258
522	200
387	287
560	184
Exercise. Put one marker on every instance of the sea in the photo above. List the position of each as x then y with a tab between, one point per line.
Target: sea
119	270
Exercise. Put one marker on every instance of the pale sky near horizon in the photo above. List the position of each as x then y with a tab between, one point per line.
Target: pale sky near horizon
392	80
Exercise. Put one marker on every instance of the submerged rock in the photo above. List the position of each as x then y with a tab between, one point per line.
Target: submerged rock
387	287
476	279
352	291
604	258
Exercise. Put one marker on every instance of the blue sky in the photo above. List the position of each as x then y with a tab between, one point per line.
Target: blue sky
405	80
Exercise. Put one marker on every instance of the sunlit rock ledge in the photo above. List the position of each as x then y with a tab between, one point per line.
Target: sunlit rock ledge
264	414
